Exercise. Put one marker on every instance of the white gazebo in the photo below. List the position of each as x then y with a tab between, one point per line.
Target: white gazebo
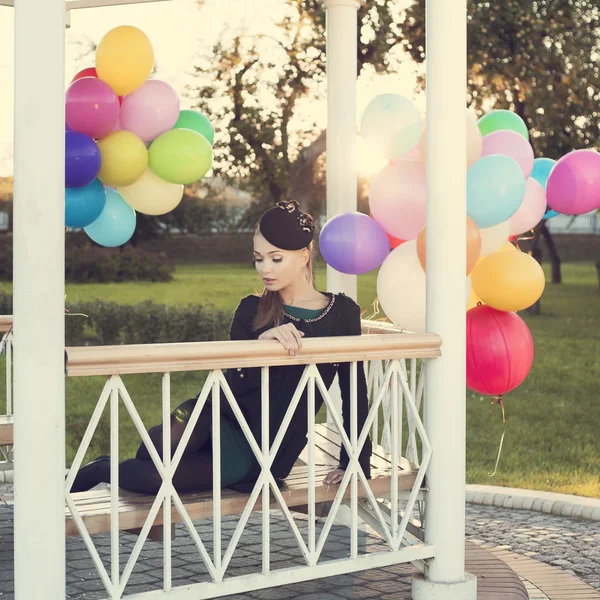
39	378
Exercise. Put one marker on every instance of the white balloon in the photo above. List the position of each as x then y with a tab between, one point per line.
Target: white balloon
474	140
151	195
401	288
493	238
532	209
392	124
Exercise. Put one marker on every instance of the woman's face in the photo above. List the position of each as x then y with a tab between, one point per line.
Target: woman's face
278	268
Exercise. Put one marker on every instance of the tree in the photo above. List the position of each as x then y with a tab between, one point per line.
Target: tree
255	87
538	58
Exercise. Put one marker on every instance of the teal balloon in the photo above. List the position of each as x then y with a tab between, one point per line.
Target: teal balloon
541	172
495	189
196	121
116	223
83	205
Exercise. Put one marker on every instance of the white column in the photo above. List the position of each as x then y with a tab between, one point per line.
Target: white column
446	55
38	296
342	58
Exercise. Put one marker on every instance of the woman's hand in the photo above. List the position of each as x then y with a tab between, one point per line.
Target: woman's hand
334	477
287	335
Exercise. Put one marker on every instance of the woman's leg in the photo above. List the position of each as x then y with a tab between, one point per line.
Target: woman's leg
179	419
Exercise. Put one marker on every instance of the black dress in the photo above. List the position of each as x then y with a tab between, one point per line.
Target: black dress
341	317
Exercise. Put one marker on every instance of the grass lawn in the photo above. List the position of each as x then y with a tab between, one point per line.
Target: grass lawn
552	432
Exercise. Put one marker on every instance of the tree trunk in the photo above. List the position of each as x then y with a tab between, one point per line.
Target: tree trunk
536	252
598	273
302	172
554	258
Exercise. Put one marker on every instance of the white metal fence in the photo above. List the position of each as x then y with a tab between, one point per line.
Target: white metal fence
396	390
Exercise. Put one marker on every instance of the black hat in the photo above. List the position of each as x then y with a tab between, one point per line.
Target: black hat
286	226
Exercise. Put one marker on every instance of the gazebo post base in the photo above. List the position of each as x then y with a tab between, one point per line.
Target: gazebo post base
425	589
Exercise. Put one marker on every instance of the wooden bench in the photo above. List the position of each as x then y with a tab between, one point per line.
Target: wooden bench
94	506
6	430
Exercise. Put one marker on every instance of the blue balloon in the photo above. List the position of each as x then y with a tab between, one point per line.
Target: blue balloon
83	205
82	159
353	243
495	189
116	223
541	172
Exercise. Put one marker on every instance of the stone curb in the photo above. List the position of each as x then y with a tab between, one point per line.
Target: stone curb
561	505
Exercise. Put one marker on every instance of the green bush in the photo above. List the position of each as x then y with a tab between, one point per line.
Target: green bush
91	264
110	323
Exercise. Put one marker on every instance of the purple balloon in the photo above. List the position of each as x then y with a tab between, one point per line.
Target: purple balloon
82	159
353	243
573	186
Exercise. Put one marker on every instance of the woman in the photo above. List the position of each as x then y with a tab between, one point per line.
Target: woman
289	310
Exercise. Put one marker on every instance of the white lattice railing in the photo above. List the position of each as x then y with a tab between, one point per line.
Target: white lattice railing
395	388
6	408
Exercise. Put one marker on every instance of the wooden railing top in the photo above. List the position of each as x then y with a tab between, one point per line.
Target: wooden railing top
199	356
6	322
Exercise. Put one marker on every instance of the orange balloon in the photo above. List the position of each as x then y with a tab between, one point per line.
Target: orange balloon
473	246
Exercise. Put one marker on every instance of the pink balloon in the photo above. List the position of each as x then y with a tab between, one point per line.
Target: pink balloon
398	198
92	107
573	187
510	143
532	209
151	110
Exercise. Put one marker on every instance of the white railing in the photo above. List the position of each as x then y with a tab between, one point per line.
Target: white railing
396	389
6	348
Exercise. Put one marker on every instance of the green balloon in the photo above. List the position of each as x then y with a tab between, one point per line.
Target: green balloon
196	121
502	119
180	156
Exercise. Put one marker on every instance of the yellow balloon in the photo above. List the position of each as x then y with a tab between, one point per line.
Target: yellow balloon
124	59
508	246
508	281
152	195
473	300
124	158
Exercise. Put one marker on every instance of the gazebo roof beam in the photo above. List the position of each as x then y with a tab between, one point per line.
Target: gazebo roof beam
74	4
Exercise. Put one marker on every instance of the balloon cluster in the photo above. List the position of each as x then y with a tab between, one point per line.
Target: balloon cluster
129	147
508	193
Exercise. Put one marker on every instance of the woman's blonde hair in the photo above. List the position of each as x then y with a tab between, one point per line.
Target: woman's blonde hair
270	308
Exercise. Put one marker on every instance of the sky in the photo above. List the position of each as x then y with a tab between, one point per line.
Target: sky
179	30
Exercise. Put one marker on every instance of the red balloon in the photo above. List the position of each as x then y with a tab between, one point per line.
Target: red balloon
89	72
499	350
394	242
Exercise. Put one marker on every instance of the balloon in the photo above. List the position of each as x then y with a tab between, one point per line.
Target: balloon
397	198
124	158
499	351
124	59
392	123
82	159
502	119
91	107
532	209
151	195
573	186
507	246
473	245
180	156
83	205
394	242
150	110
495	189
493	238
510	143
87	72
401	287
196	121
541	170
508	281
474	141
353	243
473	300
116	223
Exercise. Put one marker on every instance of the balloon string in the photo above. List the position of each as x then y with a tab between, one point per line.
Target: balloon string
498	400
